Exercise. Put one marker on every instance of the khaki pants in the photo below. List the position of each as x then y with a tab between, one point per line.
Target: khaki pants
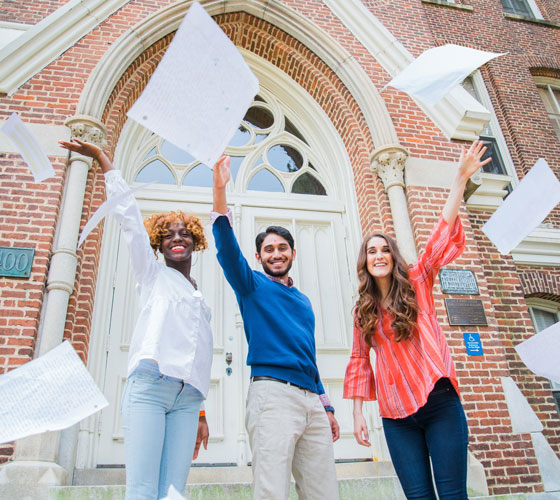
289	433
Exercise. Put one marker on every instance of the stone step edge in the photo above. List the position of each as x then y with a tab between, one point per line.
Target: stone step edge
116	488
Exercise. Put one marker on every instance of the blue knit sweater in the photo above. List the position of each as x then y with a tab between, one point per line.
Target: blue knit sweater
279	320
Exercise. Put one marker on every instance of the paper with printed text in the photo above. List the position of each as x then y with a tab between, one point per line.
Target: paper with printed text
29	148
524	209
200	90
541	353
49	393
436	71
106	208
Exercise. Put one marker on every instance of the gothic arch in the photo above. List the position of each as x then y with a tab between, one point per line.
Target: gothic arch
156	28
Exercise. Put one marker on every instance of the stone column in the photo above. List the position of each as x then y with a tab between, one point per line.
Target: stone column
389	163
35	466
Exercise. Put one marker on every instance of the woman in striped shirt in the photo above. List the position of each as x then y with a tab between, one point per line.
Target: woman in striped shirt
415	382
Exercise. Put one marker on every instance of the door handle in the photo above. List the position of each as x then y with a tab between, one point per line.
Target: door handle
229	359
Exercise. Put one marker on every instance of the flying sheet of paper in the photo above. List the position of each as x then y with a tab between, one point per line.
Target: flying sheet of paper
173	494
436	71
49	393
106	208
524	209
29	148
541	353
200	90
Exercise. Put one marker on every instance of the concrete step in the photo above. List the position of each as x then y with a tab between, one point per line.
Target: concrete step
356	481
349	489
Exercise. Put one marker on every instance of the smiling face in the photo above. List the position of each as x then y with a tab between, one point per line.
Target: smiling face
276	256
379	258
177	245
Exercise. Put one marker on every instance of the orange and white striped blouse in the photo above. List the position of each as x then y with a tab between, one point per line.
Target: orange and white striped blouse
407	371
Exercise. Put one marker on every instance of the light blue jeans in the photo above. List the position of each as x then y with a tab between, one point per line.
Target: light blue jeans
160	421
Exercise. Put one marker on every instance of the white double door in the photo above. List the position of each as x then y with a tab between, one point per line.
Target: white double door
322	271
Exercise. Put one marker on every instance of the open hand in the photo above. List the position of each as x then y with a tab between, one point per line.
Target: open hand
222	173
82	147
470	160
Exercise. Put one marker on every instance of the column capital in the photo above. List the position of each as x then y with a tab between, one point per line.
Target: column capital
88	128
388	163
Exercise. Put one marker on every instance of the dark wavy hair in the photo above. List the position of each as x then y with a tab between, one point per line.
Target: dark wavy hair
401	298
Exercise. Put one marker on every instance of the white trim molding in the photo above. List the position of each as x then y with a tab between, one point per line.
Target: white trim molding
540	248
458	114
41	44
490	192
535	8
47	136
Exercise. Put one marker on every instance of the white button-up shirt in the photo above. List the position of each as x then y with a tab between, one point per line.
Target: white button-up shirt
173	327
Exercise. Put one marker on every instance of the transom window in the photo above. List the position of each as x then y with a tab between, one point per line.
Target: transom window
545	314
519	7
268	153
550	94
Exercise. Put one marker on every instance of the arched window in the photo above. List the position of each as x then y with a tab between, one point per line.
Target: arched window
267	148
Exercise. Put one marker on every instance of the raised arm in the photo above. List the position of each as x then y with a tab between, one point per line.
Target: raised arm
126	213
90	150
222	175
469	163
236	268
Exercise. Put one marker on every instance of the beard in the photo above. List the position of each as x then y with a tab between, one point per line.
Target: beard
277	274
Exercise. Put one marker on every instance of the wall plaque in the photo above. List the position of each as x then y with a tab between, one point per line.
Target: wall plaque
458	281
465	312
16	262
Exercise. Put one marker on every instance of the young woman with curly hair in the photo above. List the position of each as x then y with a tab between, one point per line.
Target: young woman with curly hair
171	349
415	382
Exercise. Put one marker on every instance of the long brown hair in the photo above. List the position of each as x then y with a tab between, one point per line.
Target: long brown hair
401	298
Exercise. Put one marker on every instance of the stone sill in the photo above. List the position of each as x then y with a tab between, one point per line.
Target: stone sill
486	191
443	3
540	248
515	17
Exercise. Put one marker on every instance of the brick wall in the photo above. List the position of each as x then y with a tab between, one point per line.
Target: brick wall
505	283
16	11
52	96
28	218
509	459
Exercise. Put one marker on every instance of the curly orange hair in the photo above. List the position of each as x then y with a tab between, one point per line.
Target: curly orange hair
156	227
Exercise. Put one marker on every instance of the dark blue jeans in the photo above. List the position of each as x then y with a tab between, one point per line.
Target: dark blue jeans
437	430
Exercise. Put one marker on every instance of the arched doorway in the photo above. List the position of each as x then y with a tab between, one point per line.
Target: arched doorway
289	168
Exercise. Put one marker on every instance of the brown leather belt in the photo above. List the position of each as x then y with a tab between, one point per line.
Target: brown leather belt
256	379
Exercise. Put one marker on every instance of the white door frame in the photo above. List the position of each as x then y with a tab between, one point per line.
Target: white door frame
307	116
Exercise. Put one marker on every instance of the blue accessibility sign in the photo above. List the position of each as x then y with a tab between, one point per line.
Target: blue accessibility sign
473	344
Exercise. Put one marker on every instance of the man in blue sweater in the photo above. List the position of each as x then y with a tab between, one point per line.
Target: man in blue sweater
289	419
